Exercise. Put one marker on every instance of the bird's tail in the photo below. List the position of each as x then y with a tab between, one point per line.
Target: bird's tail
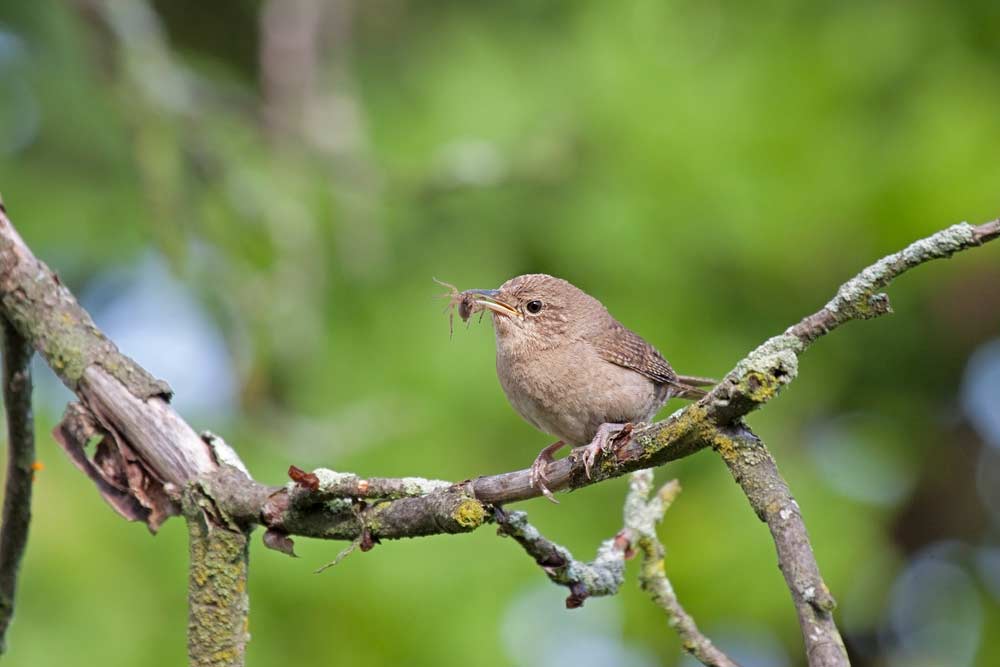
687	386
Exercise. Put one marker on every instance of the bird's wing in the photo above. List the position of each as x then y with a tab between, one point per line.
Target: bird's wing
626	348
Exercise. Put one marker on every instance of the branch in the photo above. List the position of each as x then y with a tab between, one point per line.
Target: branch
755	471
602	576
218	602
147	455
20	468
605	574
146	445
71	344
642	514
859	298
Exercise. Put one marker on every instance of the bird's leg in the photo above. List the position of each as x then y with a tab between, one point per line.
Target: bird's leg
603	442
542	461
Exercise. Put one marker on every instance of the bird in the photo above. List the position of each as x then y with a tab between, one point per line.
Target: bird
570	369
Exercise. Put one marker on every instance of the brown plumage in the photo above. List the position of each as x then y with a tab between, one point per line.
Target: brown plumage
570	368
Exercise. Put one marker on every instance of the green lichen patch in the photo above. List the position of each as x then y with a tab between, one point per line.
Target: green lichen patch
470	514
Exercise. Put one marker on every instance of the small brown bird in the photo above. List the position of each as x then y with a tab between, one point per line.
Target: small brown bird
570	368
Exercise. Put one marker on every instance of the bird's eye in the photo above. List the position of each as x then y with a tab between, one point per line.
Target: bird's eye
534	307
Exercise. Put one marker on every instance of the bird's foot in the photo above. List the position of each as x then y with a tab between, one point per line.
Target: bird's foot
542	461
609	436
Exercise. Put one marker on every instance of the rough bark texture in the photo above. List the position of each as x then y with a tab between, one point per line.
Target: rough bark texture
755	471
451	510
17	355
46	314
218	603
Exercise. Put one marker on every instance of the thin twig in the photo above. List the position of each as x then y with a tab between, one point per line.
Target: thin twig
605	574
602	576
17	355
642	514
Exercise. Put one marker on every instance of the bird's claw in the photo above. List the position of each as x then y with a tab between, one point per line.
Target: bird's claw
608	438
538	478
589	455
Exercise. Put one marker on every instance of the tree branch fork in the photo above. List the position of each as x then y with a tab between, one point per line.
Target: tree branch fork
149	464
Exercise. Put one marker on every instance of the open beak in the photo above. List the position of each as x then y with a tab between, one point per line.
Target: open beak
488	299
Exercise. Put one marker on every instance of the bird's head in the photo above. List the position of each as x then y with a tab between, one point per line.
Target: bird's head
539	311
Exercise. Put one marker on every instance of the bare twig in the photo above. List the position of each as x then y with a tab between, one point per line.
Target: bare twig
17	355
642	514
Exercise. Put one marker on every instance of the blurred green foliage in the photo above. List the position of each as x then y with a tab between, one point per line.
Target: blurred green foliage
711	172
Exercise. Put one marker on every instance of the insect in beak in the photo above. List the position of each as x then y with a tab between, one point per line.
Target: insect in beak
487	298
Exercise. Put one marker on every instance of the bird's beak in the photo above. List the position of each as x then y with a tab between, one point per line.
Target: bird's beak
487	298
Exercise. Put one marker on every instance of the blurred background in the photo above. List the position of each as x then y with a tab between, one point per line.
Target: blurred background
251	198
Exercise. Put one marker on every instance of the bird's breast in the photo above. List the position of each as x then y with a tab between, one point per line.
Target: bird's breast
569	391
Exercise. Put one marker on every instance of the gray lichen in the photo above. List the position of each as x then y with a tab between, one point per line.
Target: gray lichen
854	294
602	576
776	353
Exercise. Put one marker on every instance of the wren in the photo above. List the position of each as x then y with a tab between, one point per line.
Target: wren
570	368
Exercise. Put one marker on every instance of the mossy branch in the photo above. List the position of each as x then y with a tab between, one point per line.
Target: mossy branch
218	602
754	469
600	577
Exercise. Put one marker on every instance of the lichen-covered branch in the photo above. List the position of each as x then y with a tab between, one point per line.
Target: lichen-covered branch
642	514
450	510
605	574
68	339
17	355
755	471
859	298
218	603
602	576
324	484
